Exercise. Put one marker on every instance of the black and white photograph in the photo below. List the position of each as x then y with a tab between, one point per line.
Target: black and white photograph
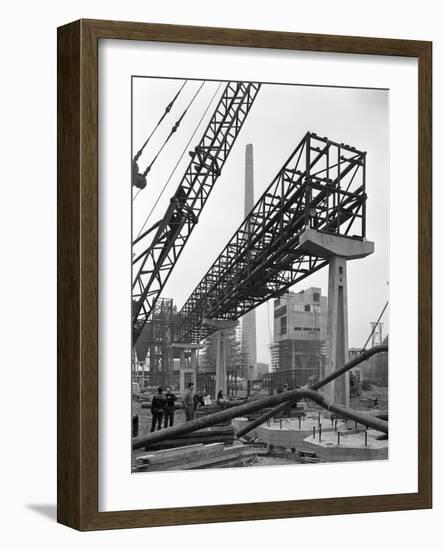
260	274
225	253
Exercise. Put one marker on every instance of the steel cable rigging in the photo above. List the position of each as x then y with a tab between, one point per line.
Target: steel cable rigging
166	111
363	349
140	178
174	128
179	160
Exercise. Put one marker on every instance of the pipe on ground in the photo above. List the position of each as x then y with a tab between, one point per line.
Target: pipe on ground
281	408
240	410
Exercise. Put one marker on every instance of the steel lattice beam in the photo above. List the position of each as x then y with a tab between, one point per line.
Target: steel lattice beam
154	258
322	185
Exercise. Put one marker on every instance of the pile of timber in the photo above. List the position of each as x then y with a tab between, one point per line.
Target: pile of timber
214	434
197	456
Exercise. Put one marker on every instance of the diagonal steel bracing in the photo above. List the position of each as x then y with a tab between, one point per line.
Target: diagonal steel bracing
322	185
157	250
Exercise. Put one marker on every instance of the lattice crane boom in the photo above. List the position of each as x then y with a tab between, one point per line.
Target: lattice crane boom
156	256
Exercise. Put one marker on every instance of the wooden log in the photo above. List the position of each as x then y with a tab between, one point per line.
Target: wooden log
210	432
242	410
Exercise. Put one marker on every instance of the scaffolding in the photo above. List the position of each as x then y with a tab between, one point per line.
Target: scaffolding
153	354
306	358
236	359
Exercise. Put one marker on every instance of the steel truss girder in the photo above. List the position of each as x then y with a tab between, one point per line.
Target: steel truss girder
155	257
322	185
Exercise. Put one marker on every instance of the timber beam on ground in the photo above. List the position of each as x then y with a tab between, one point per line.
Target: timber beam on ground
287	397
252	406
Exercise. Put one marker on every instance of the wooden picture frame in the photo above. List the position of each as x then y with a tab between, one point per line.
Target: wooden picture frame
78	273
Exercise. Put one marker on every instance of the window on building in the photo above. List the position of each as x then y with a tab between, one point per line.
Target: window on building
276	302
308	307
297	328
316	296
283	325
280	311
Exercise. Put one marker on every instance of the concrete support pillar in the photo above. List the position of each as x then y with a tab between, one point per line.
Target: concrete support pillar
182	370
338	250
152	369
220	366
337	330
188	354
194	366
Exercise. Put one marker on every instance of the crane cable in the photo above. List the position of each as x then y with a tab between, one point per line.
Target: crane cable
179	160
374	327
167	109
173	130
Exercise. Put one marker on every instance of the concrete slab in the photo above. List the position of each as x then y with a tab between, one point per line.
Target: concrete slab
326	245
351	448
291	433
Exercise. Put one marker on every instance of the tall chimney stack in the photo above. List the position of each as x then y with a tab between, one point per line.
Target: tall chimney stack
249	344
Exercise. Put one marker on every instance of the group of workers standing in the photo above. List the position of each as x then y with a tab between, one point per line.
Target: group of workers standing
163	405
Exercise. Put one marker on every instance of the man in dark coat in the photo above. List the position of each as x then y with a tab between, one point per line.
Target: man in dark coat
157	409
171	398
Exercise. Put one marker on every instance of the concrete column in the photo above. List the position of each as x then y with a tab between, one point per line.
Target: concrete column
248	342
337	330
182	370
220	365
338	250
152	369
194	366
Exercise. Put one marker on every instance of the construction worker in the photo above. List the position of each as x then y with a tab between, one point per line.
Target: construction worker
188	402
221	401
157	409
171	398
199	400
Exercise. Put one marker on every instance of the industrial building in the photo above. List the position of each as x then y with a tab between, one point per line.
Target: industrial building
300	334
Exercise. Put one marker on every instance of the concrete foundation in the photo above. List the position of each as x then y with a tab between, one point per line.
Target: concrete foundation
288	435
351	447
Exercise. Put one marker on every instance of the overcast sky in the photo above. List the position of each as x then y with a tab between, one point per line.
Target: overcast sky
278	120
